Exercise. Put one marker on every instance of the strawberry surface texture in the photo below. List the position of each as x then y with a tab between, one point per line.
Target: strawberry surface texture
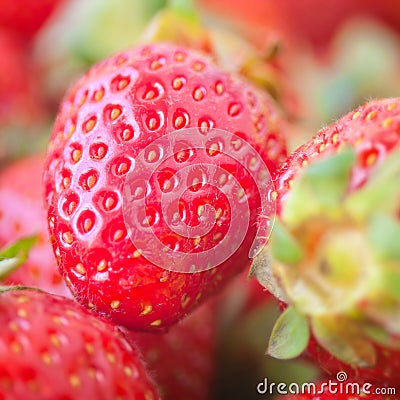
51	348
153	182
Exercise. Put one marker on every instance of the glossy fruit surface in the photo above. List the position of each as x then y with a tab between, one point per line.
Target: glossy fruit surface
156	157
53	349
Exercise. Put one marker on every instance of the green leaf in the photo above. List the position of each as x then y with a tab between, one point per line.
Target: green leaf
384	234
15	255
320	188
290	335
385	313
284	247
344	339
382	337
184	7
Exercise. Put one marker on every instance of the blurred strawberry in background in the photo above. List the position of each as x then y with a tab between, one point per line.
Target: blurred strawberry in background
24	18
21	102
182	361
22	215
306	22
335	55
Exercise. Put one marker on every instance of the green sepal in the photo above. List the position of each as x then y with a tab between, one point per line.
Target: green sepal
385	313
380	193
390	282
345	340
263	269
384	236
284	247
185	8
319	189
178	23
380	336
290	335
15	255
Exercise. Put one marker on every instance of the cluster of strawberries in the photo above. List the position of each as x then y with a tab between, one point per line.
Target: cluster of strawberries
168	178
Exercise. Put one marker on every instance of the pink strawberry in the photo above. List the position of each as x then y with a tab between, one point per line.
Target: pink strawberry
51	348
335	246
21	215
182	361
136	163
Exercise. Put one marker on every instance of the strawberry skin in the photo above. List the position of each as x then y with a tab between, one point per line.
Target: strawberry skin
51	348
371	129
335	246
112	114
21	215
385	370
182	361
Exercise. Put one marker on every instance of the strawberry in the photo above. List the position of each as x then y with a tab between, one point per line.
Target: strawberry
332	389
386	366
22	214
20	104
51	348
136	163
335	258
25	18
182	361
309	23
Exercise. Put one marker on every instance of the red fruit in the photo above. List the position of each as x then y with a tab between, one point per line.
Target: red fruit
21	215
342	390
370	129
182	361
20	104
24	18
309	22
151	119
335	248
51	348
385	370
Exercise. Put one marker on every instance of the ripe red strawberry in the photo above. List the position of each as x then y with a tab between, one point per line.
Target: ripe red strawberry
21	215
386	366
134	252
51	348
182	361
342	390
335	248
